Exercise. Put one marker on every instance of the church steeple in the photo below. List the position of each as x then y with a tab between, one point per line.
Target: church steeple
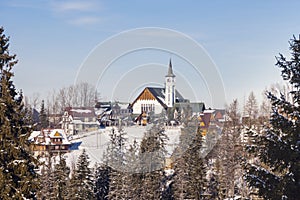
170	87
170	70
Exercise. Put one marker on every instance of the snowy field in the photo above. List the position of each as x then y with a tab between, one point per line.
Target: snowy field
95	143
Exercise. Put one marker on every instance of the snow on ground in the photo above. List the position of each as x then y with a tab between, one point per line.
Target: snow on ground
95	143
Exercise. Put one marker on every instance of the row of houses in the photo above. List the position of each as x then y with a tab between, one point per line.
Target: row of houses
75	120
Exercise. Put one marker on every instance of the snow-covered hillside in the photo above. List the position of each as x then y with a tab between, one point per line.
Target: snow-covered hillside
95	143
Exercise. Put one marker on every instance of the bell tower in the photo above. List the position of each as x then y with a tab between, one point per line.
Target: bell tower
170	87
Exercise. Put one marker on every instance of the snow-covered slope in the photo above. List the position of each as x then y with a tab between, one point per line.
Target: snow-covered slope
95	143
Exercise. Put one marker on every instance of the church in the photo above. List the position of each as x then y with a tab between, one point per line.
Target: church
157	99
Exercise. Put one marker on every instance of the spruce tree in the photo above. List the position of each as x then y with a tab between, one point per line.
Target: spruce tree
152	156
46	179
132	172
44	123
276	173
17	165
115	158
82	184
61	179
102	180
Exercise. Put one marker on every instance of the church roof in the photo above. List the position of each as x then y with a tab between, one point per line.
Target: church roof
159	94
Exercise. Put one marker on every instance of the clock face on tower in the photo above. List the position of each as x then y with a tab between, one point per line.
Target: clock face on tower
168	80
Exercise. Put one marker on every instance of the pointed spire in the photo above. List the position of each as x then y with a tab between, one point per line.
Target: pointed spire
170	70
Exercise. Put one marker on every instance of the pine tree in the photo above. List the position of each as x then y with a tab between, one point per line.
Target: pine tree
17	165
277	172
44	123
132	172
81	184
152	156
46	179
61	179
102	181
115	158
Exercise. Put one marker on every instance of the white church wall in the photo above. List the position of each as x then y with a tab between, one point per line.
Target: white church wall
138	105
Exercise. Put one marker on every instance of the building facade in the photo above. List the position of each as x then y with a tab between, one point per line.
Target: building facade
49	141
156	99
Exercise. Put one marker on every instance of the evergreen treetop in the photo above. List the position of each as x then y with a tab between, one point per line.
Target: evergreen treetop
277	174
82	183
17	165
44	123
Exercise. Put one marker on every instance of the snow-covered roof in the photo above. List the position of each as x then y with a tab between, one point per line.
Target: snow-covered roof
81	110
100	111
48	134
77	121
209	111
33	135
123	105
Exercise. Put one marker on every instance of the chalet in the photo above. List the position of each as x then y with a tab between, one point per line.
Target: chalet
79	119
49	141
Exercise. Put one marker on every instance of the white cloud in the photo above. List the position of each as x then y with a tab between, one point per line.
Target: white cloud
77	12
85	21
75	6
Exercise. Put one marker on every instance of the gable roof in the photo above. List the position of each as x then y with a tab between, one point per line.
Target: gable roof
157	93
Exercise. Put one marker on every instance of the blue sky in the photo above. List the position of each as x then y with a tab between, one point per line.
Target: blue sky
52	38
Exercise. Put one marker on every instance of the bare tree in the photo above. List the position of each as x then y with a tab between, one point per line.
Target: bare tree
34	101
79	95
86	94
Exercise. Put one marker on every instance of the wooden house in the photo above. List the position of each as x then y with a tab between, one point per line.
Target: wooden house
49	141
